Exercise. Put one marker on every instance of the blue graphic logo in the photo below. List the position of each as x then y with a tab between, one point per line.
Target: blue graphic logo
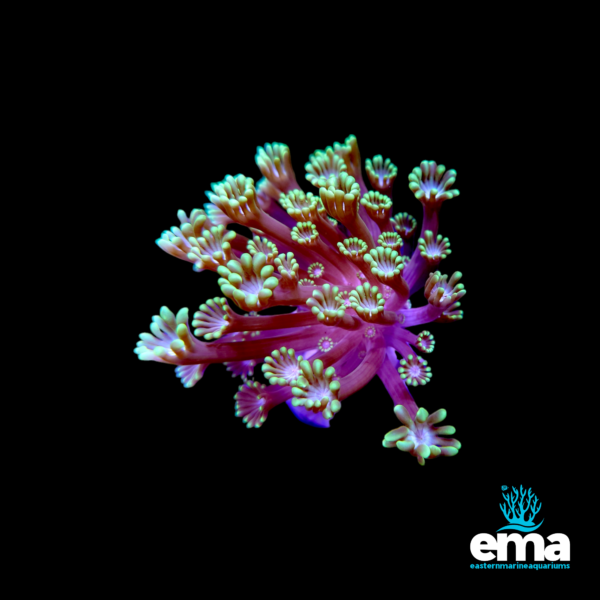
515	510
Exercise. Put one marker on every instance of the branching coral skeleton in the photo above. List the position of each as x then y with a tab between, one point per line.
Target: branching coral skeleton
344	262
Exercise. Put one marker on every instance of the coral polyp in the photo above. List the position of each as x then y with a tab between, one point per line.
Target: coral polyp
350	270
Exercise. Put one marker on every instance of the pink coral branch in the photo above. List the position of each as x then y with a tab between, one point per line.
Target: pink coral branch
396	387
357	379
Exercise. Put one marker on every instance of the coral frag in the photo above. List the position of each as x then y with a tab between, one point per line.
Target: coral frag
347	266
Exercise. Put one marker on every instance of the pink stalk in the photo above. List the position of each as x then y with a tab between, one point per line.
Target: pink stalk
421	315
366	370
256	349
431	221
396	387
350	361
298	296
272	322
359	229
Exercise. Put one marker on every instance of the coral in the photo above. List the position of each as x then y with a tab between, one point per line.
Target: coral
345	266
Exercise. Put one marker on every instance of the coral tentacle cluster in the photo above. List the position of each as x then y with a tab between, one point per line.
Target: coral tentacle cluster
346	266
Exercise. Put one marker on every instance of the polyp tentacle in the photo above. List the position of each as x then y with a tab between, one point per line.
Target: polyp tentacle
451	314
190	375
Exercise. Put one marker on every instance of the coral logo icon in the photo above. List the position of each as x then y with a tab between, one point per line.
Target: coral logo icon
520	509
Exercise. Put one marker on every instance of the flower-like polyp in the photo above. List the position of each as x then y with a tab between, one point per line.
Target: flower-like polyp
434	249
249	282
368	302
404	224
170	339
419	437
341	198
322	165
390	239
252	403
190	375
179	241
326	344
353	248
274	162
212	319
301	206
212	248
385	263
442	292
381	173
431	183
288	268
316	270
305	234
414	370
241	368
326	305
282	367
262	244
316	390
378	206
236	197
344	270
425	342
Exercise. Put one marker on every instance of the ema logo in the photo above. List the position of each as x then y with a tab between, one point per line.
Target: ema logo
520	510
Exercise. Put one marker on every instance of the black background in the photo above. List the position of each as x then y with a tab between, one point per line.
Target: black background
191	475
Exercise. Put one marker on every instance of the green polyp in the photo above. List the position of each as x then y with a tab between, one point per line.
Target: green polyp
435	451
423	450
421	415
449	451
446	430
438	416
405	446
